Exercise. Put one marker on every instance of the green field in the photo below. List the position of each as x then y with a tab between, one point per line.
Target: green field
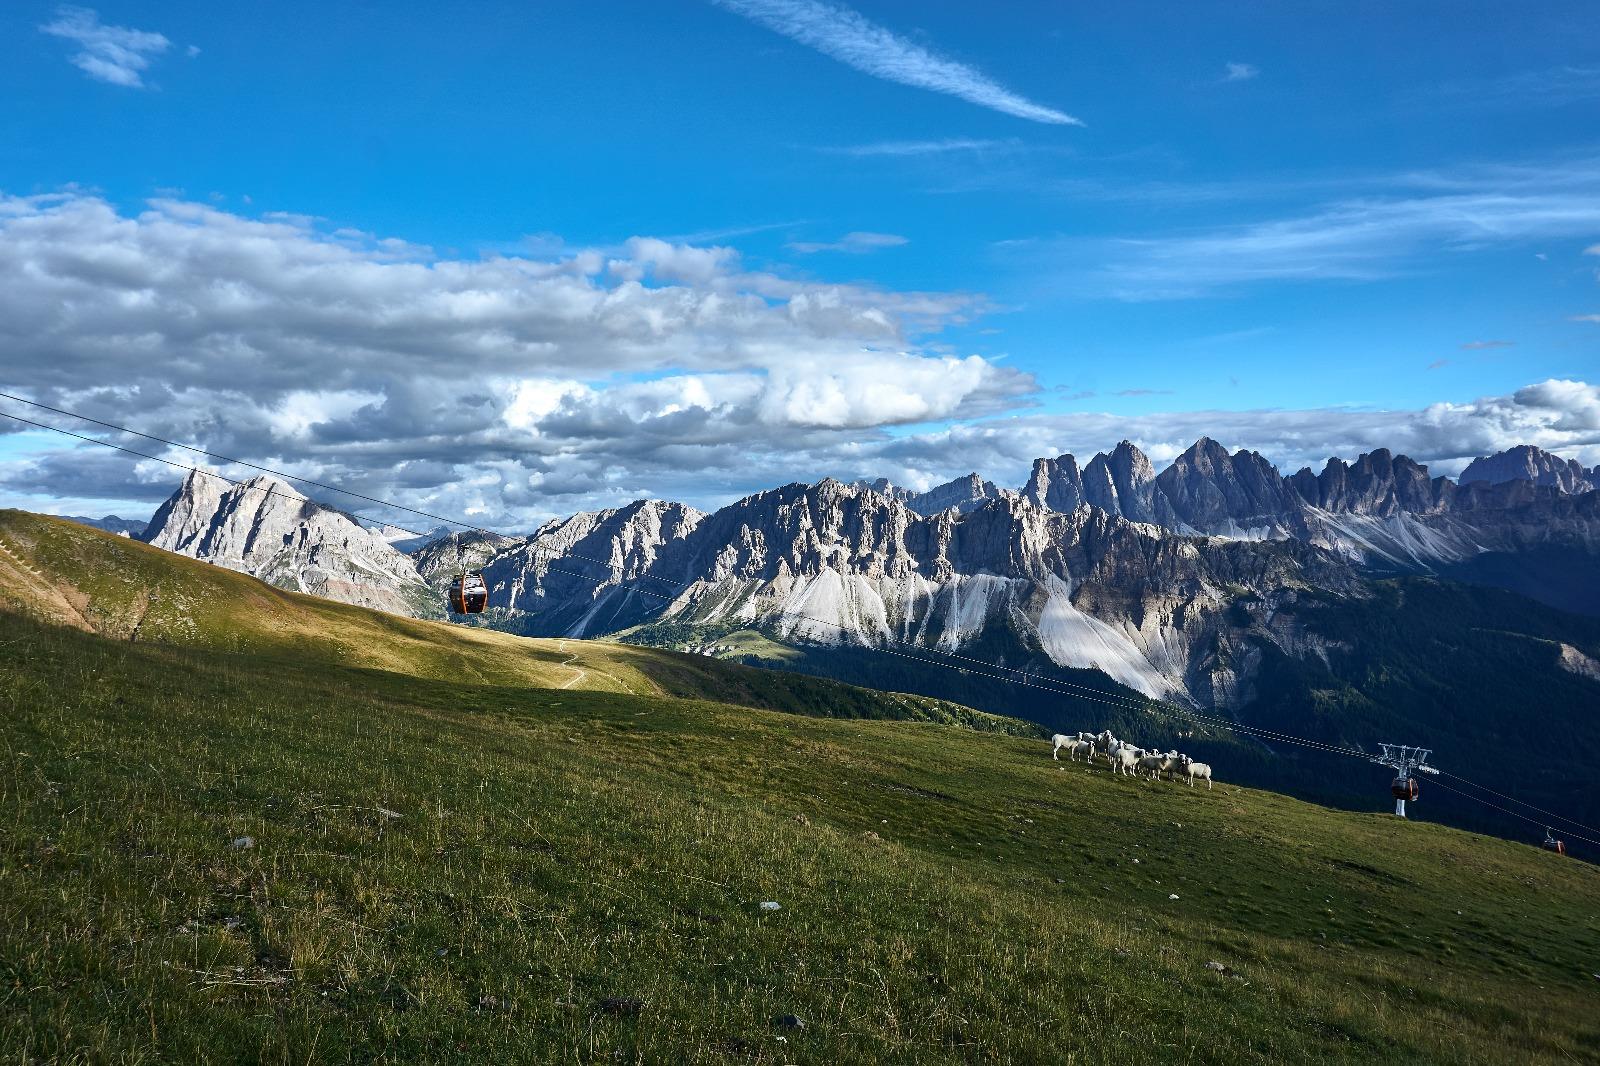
344	836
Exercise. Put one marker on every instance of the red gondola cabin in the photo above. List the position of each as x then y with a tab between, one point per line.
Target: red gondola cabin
1404	788
468	595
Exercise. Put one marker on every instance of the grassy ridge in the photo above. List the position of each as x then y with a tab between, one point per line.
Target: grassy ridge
77	576
449	871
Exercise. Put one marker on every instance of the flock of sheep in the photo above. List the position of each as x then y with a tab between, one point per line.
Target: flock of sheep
1127	759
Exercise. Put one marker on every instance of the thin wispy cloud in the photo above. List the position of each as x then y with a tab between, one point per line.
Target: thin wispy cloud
1438	364
1473	346
1240	72
917	148
1586	318
855	243
843	34
1365	239
113	54
1550	87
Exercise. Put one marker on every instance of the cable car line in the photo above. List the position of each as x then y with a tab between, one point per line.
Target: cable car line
1524	803
1089	693
1098	695
985	669
976	666
280	473
1513	814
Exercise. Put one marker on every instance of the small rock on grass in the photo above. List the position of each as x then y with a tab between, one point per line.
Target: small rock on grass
241	843
770	905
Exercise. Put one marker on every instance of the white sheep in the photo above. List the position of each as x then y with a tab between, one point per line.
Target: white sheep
1152	764
1074	745
1193	769
1074	748
1123	760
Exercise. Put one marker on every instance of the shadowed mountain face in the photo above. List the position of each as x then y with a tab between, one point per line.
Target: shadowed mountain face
1527	463
1108	566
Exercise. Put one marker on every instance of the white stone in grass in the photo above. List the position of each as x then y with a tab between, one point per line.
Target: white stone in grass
241	843
1173	896
770	905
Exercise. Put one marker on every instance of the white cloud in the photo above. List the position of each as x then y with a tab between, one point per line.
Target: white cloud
1367	238
114	54
1559	415
1550	87
655	367
1585	318
922	148
843	34
1473	346
1240	72
854	243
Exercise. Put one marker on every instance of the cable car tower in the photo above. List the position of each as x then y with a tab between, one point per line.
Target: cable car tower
1407	762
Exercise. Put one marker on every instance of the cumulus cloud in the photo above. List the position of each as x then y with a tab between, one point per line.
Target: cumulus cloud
843	34
854	243
513	389
520	386
114	54
1561	416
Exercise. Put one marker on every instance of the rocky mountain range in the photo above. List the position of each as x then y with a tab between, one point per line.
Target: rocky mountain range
1174	583
269	529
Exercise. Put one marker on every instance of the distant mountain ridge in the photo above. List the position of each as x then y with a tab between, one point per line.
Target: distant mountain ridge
1172	583
126	527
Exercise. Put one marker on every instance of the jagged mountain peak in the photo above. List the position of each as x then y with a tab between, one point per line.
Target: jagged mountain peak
267	528
1525	462
965	494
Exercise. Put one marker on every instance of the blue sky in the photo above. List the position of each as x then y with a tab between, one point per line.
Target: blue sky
1150	221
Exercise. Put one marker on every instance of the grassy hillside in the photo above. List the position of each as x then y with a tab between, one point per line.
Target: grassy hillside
72	575
1475	673
237	855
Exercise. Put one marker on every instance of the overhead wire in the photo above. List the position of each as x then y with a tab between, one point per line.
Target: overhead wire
1523	803
1514	814
983	668
979	667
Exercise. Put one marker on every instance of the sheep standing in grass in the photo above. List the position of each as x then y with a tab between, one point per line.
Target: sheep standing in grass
1123	760
1170	761
1152	764
1074	745
1192	770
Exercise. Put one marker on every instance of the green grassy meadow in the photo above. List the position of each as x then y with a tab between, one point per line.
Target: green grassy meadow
220	844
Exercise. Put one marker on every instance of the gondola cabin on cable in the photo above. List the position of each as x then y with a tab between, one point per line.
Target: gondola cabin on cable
468	594
1404	788
1552	844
